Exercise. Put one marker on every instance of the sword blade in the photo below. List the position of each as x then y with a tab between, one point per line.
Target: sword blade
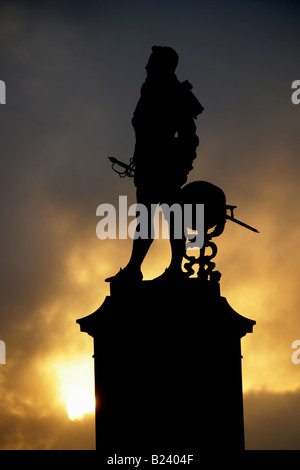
241	223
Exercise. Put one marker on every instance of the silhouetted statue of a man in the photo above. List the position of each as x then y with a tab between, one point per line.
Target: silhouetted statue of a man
166	142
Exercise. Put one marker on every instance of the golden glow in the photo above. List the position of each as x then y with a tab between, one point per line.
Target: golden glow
76	386
80	402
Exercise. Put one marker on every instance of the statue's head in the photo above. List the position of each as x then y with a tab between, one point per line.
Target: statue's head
162	61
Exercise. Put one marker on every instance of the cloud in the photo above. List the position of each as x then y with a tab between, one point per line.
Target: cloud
30	427
71	89
272	420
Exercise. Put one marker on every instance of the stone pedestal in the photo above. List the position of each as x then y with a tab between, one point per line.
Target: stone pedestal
167	369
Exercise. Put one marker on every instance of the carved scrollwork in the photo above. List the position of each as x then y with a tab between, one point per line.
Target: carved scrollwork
204	261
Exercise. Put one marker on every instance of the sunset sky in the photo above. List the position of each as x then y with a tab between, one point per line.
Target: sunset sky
73	73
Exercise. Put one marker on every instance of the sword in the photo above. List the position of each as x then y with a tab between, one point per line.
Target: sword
241	223
236	221
128	169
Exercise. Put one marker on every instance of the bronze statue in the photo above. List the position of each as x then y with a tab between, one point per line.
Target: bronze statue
166	142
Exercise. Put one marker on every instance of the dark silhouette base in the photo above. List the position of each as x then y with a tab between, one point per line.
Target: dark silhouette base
167	369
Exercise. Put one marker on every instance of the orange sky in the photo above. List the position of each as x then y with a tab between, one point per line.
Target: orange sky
72	86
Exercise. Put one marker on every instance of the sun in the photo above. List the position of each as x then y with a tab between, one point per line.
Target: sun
80	403
76	387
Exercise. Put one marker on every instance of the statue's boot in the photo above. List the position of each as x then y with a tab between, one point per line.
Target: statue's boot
126	275
171	274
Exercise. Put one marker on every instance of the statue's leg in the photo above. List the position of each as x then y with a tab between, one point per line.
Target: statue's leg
177	249
140	246
177	246
177	242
